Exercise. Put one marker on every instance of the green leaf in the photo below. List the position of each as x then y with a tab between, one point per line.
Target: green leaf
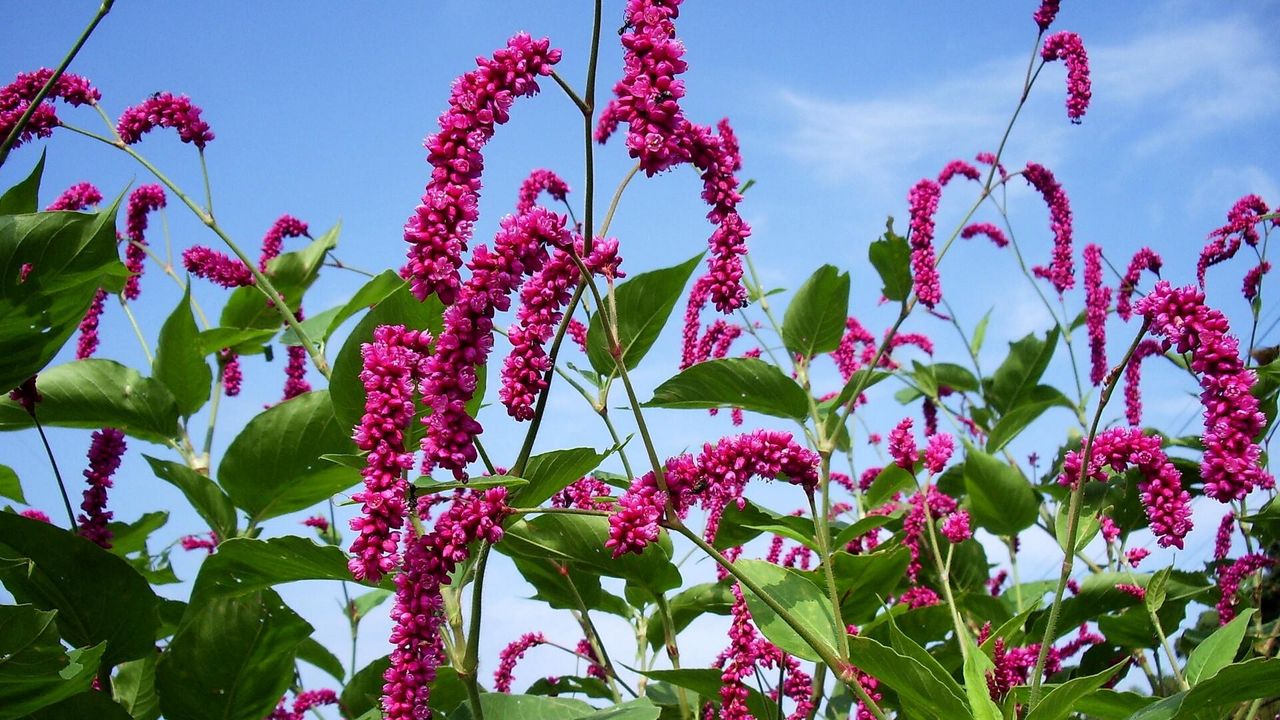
314	326
25	196
525	707
891	257
35	671
245	565
638	709
129	538
1219	650
313	652
892	479
92	704
426	485
747	383
687	606
232	658
1063	699
70	255
566	586
9	485
291	274
550	472
273	466
976	667
93	393
904	645
1030	407
1087	530
370	600
803	600
1022	369
863	526
369	294
1157	589
979	333
207	498
570	685
644	303
706	682
865	581
579	540
815	319
363	692
908	677
398	308
1000	499
244	342
179	363
1241	682
135	688
98	596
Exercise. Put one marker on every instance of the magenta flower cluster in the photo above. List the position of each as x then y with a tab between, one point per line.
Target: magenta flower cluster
1231	576
441	225
165	110
392	364
587	493
1097	302
1061	269
1133	380
923	204
295	370
716	477
540	181
17	96
1167	504
87	342
1045	14
142	201
1230	465
749	654
1069	48
1145	259
510	655
232	375
106	449
216	267
75	198
995	234
302	703
285	226
418	613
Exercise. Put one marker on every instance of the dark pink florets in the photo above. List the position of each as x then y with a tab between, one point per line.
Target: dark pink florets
16	98
295	370
923	202
164	110
105	452
957	167
938	452
718	159
302	703
1144	259
902	446
510	655
285	226
76	198
1061	270
1047	11
34	514
1229	579
1230	465
1097	302
87	343
996	235
578	333
232	376
1224	242
481	100
207	542
392	364
142	201
1133	380
587	493
1222	540
216	267
1253	280
539	181
1069	48
746	657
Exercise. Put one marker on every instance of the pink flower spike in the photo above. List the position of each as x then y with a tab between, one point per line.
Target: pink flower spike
16	98
1046	13
1230	579
510	655
76	198
1144	259
1061	270
956	528
232	376
105	452
142	201
87	343
1253	280
1133	380
938	452
957	167
923	201
1067	47
216	267
1097	302
1134	590
319	522
441	226
208	542
34	514
167	111
285	226
537	182
1135	556
1222	541
902	446
996	235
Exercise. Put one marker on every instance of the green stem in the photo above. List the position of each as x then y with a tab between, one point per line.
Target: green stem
16	132
673	650
57	474
1073	520
588	120
137	331
823	527
526	448
471	662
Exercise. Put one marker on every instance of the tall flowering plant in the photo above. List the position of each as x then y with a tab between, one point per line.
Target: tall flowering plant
885	588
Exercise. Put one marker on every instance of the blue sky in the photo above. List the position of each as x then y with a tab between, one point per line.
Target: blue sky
320	111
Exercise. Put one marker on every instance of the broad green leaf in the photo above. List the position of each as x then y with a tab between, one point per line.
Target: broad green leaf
363	692
580	540
570	685
245	565
244	342
1157	589
370	600
24	197
205	496
232	658
976	667
1000	499
906	676
1219	650
312	652
134	687
805	601
980	333
129	538
892	479
525	707
684	608
550	472
273	466
70	255
891	257
1029	408
315	326
1021	370
291	274
904	645
1089	525
427	486
746	383
398	308
370	294
1237	683
95	393
91	704
863	526
638	709
179	363
43	696
34	668
644	303
98	596
1111	704
564	585
706	682
1098	595
815	318
10	487
1062	700
866	581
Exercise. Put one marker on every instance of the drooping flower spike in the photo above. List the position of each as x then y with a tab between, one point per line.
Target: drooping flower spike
748	654
1224	242
539	181
105	452
510	655
1097	302
996	235
232	376
165	110
1069	48
1231	576
216	267
923	202
1133	380
1046	13
1253	280
75	198
957	167
285	226
87	342
142	201
295	369
1061	269
16	98
441	226
1144	259
1230	465
718	159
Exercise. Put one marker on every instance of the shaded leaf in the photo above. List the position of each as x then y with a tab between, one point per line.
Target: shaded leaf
547	473
1000	499
244	565
747	383
94	393
891	257
644	303
804	600
205	496
815	318
179	363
